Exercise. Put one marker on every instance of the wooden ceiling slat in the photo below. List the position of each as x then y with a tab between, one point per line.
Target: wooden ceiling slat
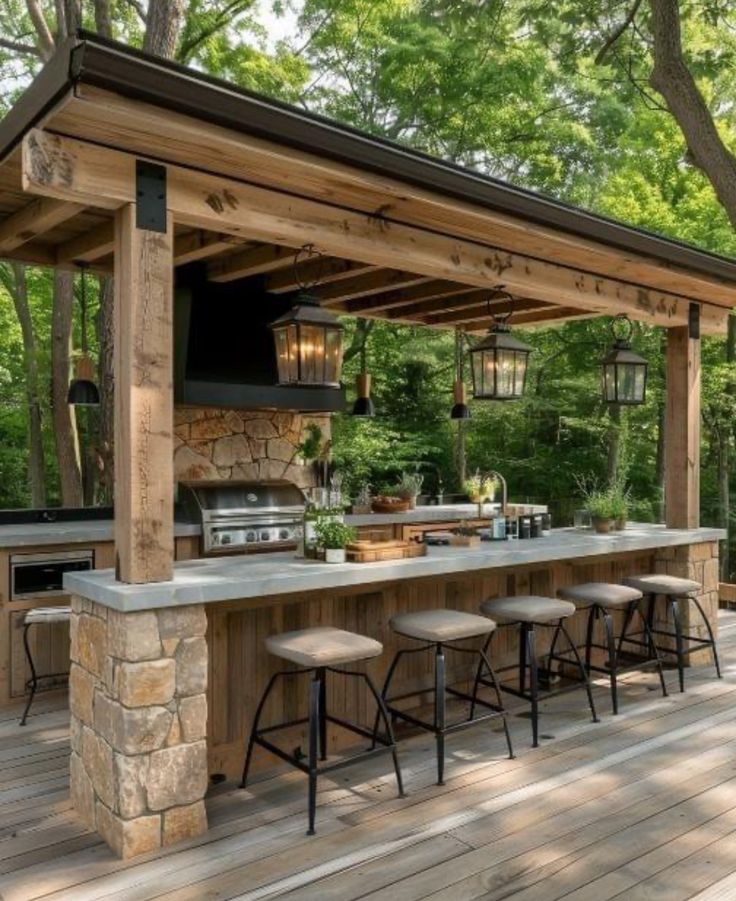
478	311
316	272
200	245
33	220
375	282
89	246
253	261
372	306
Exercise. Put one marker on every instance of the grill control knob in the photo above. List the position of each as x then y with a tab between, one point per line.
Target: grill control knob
250	536
284	534
226	539
265	536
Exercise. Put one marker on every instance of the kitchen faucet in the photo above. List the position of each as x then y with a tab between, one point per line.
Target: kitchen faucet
504	489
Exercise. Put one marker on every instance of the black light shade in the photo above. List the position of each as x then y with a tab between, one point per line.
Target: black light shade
460	409
364	405
309	344
498	365
624	372
83	393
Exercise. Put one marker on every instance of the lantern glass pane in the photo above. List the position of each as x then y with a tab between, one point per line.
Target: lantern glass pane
505	373
333	355
609	382
282	353
520	366
477	359
311	347
639	383
625	380
292	338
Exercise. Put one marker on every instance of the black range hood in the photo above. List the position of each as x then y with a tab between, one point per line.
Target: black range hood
224	350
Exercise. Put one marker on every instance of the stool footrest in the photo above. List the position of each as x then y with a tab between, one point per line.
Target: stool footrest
496	712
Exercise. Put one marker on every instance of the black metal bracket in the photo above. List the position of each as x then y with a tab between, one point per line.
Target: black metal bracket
150	195
693	320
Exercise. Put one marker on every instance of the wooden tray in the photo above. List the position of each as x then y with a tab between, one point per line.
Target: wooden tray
372	552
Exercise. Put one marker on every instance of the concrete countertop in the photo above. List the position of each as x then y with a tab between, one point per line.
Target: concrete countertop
90	531
232	578
438	513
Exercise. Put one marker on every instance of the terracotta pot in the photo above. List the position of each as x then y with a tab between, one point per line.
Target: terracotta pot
602	525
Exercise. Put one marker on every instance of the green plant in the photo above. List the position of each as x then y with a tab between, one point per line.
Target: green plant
479	487
310	448
410	484
333	534
601	505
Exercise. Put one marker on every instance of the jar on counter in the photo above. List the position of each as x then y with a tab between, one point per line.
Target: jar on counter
546	525
512	528
525	526
498	528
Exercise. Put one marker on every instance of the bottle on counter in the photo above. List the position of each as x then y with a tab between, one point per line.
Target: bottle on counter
546	525
512	528
498	528
525	526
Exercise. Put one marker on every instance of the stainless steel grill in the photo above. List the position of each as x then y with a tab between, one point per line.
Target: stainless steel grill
243	516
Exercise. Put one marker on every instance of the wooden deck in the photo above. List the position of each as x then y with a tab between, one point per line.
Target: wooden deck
642	806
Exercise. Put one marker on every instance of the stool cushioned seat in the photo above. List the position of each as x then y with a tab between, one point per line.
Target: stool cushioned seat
527	609
658	583
606	594
47	615
323	646
441	625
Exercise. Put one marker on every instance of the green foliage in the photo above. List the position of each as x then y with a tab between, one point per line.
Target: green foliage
331	533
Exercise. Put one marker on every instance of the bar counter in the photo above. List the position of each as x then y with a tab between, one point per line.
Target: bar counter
245	577
165	677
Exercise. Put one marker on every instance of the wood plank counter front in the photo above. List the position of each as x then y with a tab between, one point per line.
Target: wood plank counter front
139	655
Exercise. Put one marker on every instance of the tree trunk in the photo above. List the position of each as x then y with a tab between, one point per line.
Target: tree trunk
674	81
107	386
36	462
103	21
163	24
65	427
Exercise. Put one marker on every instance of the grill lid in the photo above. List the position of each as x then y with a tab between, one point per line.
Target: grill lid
204	499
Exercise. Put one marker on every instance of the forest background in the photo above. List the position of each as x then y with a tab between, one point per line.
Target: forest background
598	104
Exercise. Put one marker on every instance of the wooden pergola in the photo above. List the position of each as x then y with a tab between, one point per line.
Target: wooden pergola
136	167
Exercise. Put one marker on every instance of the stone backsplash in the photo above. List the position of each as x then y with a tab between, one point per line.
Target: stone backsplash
211	443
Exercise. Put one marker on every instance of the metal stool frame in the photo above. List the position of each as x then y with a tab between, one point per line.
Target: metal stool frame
439	726
32	683
318	718
528	660
612	669
680	652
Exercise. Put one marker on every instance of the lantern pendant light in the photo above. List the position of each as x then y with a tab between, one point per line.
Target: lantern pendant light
460	409
499	361
624	372
363	405
83	391
308	338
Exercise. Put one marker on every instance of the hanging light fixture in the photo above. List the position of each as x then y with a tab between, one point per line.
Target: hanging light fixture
499	361
363	405
308	337
83	391
460	409
624	372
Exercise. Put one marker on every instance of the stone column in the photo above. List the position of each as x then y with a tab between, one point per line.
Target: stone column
698	562
137	694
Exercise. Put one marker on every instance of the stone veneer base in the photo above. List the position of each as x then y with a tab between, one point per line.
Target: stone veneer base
137	694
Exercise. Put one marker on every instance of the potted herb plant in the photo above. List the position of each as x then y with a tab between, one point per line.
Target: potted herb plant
332	537
602	510
409	486
479	488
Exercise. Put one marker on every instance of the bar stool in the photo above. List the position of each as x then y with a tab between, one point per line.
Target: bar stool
437	630
319	651
674	590
527	612
600	599
40	616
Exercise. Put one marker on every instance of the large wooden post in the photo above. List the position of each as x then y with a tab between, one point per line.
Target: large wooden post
682	434
144	467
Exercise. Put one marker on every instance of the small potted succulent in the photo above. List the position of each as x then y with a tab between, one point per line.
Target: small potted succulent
602	509
332	537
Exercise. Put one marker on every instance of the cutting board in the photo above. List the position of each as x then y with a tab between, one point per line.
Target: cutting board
373	551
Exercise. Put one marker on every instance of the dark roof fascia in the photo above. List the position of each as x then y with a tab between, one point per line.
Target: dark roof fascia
121	69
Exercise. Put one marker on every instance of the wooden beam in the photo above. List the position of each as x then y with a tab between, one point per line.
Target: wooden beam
93	244
199	245
318	272
130	124
32	253
73	170
254	261
399	304
551	315
144	409
375	282
682	431
472	310
37	217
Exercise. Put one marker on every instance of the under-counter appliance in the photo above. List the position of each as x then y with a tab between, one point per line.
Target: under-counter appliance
239	516
36	575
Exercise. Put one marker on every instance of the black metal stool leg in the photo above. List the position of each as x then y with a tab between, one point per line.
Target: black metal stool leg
383	713
315	690
677	620
583	670
479	675
322	713
254	728
523	653
612	658
484	659
439	711
653	652
384	691
33	681
709	629
628	619
552	648
589	635
531	653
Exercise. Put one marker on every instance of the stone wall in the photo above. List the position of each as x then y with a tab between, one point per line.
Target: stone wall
138	705
211	443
